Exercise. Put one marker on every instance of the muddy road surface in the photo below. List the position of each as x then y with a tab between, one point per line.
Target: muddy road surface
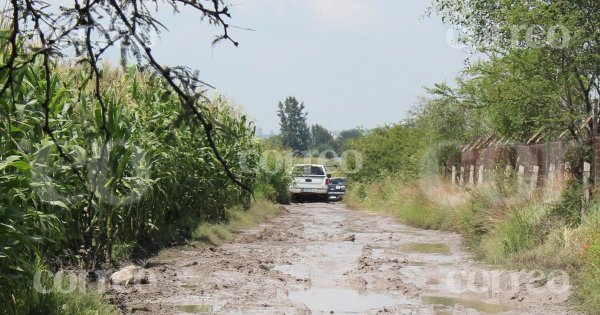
322	258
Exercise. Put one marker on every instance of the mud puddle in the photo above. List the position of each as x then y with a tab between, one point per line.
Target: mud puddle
426	248
474	305
342	301
322	258
196	309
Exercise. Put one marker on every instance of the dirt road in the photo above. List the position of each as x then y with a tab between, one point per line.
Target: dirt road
325	259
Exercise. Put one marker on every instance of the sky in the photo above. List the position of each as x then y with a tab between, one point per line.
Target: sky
354	63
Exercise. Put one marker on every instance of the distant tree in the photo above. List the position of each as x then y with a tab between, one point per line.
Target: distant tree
445	118
395	150
322	141
320	136
342	140
292	121
273	142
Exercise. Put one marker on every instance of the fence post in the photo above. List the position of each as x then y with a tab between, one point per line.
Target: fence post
595	171
454	175
586	190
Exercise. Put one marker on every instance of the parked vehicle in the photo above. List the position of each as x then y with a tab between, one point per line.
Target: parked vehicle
309	180
336	188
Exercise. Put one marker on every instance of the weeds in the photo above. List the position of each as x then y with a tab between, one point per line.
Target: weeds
240	219
517	230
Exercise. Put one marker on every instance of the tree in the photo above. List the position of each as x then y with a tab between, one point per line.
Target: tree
321	141
320	136
541	73
344	138
541	69
294	129
272	143
395	150
445	118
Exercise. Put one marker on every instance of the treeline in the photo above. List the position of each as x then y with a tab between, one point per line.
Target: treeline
69	195
297	136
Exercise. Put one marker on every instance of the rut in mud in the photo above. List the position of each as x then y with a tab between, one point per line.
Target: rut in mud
323	258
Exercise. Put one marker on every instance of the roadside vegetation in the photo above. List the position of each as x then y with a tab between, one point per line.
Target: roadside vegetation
70	196
521	85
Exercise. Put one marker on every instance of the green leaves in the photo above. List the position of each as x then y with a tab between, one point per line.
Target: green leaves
156	172
10	161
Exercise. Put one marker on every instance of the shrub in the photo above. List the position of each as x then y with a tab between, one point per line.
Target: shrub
587	292
571	202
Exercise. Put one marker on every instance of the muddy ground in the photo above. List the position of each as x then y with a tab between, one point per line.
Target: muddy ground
325	259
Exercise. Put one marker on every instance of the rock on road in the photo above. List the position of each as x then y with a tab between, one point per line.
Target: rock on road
326	259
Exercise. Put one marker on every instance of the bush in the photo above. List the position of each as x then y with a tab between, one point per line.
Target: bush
571	202
273	179
587	292
395	151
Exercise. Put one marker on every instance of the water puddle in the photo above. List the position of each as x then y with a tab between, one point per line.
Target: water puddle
354	229
341	300
196	309
476	305
426	248
189	286
297	271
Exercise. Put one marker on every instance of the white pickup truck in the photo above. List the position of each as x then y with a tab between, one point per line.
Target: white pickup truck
309	180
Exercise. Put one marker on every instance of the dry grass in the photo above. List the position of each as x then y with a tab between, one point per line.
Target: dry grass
521	230
516	230
261	211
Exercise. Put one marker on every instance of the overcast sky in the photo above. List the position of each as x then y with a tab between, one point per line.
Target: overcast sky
352	62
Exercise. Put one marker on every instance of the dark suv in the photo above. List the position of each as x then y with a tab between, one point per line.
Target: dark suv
336	188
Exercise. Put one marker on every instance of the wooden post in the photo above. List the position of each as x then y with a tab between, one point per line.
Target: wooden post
534	177
521	175
454	175
586	190
595	154
472	175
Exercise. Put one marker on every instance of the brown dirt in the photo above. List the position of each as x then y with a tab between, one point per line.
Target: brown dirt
323	258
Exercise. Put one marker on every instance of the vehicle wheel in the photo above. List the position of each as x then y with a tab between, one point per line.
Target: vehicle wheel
295	198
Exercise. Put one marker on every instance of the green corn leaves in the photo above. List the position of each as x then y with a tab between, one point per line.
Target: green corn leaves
73	203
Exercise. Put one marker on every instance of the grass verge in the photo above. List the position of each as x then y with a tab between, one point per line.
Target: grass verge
239	219
511	229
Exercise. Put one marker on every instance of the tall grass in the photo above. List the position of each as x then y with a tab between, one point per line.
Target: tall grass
419	205
240	219
86	199
519	229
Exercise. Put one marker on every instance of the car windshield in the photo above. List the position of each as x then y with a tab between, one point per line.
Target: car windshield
308	170
338	181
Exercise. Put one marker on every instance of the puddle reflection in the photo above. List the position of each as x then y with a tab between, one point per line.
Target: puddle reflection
342	300
476	305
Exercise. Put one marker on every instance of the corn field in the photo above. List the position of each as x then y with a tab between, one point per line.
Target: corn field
64	201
